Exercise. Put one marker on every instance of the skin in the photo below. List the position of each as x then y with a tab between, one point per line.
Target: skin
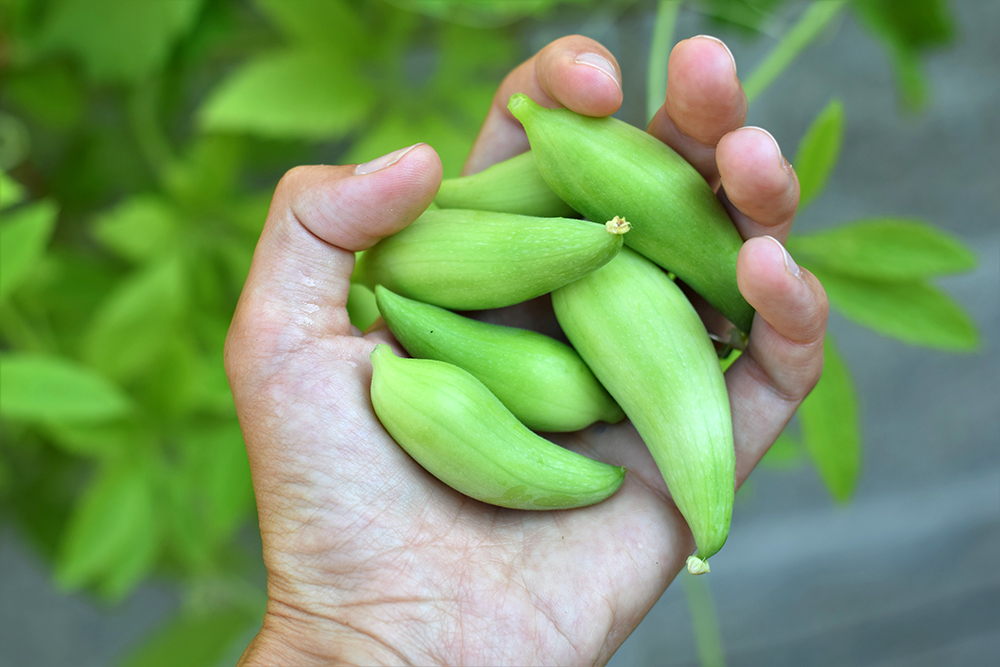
371	560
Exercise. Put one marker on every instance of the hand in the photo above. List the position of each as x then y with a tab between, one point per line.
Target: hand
372	560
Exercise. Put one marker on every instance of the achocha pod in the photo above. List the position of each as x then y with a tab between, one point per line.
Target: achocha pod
512	186
451	424
646	344
542	381
603	167
475	260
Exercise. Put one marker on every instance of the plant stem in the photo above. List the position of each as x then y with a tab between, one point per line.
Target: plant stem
819	14
707	636
659	52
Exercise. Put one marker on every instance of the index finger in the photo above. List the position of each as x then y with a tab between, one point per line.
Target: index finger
573	72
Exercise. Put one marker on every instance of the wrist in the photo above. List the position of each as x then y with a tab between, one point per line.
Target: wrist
291	637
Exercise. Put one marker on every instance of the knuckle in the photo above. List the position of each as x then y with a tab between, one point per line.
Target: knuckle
290	182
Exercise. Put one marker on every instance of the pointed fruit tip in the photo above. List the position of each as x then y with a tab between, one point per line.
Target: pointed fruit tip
519	104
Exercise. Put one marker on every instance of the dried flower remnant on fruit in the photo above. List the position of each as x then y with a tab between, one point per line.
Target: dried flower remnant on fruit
696	565
618	225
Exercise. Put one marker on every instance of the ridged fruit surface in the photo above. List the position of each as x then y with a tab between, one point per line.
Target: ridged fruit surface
451	424
512	186
542	381
646	344
475	260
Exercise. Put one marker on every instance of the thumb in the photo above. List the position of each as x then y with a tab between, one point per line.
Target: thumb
296	290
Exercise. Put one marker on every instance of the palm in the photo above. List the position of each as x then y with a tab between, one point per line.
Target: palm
544	575
369	558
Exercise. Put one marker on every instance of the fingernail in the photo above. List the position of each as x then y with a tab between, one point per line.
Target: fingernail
386	160
716	39
790	264
777	149
601	63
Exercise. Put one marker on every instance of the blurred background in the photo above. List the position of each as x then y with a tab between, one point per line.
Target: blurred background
140	143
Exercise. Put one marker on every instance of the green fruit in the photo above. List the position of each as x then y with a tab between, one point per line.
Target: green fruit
542	381
603	168
451	424
511	186
476	260
646	344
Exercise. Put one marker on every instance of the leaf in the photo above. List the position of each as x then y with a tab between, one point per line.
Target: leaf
225	477
140	228
883	249
103	439
481	13
49	93
913	312
172	384
906	29
750	15
321	24
818	151
784	454
137	320
466	52
293	95
207	176
11	192
113	531
24	236
46	388
831	431
397	130
118	40
195	639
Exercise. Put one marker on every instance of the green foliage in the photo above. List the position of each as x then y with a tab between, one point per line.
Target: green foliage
47	388
295	94
911	311
140	228
117	41
785	453
876	272
831	430
113	533
895	249
318	24
137	320
11	191
49	92
907	29
195	638
24	234
818	151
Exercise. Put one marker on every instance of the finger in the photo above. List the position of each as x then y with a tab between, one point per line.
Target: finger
784	357
573	72
759	187
704	102
299	279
